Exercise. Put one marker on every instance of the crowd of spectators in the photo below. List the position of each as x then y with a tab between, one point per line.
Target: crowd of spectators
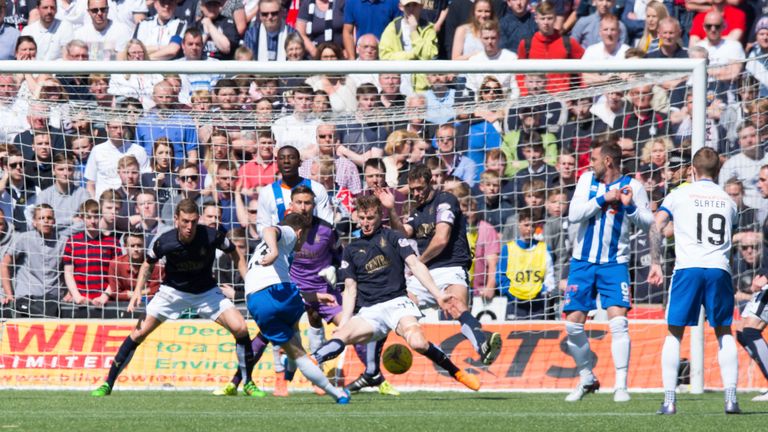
93	165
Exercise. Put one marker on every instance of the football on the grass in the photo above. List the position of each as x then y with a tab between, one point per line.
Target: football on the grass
397	359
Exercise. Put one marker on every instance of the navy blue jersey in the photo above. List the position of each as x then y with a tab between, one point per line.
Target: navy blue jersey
377	264
443	208
189	267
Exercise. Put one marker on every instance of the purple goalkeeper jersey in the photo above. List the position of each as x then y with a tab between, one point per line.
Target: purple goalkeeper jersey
318	252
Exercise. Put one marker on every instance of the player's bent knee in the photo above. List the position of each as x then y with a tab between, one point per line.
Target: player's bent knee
417	341
574	329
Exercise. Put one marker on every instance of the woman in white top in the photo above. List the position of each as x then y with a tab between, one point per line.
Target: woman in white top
466	42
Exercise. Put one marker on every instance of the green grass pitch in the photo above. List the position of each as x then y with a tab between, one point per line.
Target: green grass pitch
169	411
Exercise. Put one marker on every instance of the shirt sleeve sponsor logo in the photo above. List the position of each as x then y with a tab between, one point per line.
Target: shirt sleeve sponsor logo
344	264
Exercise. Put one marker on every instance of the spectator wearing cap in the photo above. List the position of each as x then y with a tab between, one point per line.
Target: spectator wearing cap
266	36
516	24
733	27
50	33
8	36
366	17
220	37
162	34
757	60
106	35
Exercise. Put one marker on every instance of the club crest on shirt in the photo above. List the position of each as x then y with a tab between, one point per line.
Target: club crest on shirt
425	230
382	242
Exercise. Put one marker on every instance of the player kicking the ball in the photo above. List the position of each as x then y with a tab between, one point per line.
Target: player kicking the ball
439	228
703	216
189	251
372	268
604	207
276	303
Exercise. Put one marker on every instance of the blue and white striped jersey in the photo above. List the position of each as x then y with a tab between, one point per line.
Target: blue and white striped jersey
602	230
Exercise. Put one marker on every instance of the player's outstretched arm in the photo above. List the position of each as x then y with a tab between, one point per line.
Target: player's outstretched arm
144	273
655	276
422	274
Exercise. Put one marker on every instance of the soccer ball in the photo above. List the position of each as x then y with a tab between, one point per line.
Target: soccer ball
397	359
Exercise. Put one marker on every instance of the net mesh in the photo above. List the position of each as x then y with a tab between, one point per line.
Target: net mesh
518	149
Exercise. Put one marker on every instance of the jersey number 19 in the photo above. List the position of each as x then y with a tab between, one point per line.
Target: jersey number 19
715	229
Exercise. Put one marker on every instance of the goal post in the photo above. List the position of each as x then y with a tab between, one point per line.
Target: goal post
48	334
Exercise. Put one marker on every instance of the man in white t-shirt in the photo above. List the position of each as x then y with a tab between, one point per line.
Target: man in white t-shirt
609	48
127	12
704	217
300	128
49	33
101	169
725	52
103	34
492	51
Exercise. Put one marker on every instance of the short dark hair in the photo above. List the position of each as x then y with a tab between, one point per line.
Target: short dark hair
63	158
289	148
295	221
366	89
368	202
188	206
613	151
377	163
302	189
420	171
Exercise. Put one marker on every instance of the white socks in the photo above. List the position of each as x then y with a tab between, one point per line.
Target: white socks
620	348
316	338
728	358
578	348
670	363
316	376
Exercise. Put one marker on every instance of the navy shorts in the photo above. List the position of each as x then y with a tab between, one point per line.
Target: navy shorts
693	288
586	280
276	310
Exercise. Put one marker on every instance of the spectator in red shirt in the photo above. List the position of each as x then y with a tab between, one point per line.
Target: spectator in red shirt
547	43
124	272
262	169
86	259
734	23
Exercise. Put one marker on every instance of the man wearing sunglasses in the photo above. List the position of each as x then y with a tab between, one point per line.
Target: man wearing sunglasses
733	27
188	183
266	37
99	29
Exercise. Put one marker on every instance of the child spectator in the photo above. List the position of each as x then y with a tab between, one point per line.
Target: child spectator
490	207
534	195
525	273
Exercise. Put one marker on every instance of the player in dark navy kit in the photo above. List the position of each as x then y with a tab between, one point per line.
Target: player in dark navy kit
440	230
189	252
372	268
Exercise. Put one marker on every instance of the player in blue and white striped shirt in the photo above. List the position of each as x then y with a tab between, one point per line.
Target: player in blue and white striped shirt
605	207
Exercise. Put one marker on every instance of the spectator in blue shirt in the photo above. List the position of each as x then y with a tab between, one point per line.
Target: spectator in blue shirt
516	25
364	17
164	121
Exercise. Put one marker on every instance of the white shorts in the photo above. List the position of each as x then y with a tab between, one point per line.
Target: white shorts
384	317
444	277
169	303
757	307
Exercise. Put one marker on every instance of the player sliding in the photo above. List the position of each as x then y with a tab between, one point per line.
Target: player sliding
439	228
604	206
189	251
275	302
704	216
372	268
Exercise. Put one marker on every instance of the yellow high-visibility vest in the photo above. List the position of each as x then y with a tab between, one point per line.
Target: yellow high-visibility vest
526	269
